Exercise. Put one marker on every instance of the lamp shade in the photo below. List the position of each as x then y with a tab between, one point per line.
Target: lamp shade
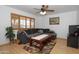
43	13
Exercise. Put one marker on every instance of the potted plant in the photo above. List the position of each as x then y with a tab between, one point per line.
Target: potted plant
9	34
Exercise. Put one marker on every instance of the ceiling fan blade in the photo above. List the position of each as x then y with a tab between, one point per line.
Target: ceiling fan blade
37	9
50	10
38	12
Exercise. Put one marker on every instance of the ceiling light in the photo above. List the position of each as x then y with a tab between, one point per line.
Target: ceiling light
43	13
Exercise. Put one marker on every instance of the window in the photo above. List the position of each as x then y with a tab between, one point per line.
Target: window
28	23
32	23
22	22
15	21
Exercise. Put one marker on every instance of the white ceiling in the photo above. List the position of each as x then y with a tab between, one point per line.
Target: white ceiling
57	8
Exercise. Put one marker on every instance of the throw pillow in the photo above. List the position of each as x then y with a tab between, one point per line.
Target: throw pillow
40	31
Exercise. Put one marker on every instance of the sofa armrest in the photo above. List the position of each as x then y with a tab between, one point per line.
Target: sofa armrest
53	34
22	37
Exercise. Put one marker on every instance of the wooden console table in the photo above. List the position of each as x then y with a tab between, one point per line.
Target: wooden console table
41	40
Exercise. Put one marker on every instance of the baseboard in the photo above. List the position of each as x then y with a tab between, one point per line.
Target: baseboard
61	38
3	43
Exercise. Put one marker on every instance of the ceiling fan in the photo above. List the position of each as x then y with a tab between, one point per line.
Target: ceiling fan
44	9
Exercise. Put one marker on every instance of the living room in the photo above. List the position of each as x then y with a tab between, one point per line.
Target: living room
66	15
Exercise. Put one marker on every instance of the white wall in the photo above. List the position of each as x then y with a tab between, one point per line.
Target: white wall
78	17
41	21
5	20
66	19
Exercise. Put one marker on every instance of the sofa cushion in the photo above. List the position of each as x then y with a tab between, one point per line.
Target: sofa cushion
29	31
35	34
40	31
45	30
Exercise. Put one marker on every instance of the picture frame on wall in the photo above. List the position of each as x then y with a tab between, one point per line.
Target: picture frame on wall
54	21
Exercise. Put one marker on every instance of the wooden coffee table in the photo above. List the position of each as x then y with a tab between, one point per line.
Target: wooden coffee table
41	40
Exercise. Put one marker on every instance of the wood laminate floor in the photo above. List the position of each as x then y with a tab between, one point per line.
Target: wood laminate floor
60	48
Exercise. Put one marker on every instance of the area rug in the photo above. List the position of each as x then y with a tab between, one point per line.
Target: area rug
34	50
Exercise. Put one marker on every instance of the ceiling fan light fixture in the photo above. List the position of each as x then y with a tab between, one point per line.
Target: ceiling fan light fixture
43	13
